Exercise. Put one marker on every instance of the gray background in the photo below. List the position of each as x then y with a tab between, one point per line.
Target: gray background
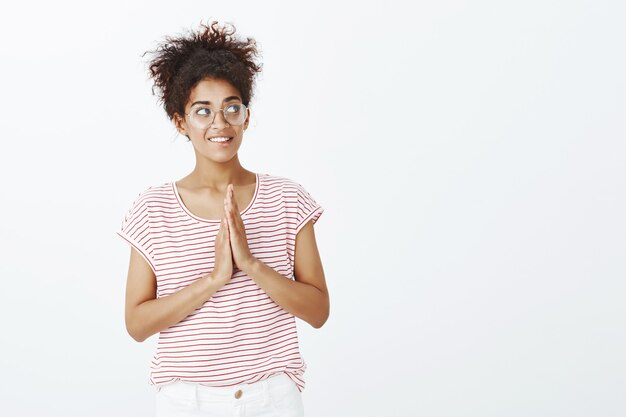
470	158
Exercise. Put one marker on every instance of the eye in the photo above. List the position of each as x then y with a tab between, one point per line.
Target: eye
203	111
233	108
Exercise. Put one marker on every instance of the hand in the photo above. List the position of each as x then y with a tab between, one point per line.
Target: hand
242	256
223	270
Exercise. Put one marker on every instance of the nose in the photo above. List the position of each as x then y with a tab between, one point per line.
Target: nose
219	121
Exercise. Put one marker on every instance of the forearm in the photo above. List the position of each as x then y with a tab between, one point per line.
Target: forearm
302	300
152	316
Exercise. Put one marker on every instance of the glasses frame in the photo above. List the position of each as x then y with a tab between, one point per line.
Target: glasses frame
245	110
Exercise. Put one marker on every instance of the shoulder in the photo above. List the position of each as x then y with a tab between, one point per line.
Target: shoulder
299	204
295	196
282	182
154	192
148	196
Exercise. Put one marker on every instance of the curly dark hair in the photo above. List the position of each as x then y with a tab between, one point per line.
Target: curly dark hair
211	52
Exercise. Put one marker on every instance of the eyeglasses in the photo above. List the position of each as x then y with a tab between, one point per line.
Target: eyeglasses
202	117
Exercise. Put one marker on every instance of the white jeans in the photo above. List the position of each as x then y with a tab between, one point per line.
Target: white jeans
276	396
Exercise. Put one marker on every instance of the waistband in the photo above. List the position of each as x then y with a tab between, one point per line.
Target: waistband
194	391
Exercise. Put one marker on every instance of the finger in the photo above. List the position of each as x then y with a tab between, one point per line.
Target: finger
226	230
230	226
230	212
233	200
229	194
225	202
232	229
233	208
220	231
228	197
226	212
235	222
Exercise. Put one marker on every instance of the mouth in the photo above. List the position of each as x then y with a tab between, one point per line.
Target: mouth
221	139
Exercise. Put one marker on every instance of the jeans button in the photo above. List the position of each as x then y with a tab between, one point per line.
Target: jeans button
238	394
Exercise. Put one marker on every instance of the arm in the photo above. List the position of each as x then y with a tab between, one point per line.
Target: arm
146	314
307	297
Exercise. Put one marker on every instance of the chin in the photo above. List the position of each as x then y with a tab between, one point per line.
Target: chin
220	158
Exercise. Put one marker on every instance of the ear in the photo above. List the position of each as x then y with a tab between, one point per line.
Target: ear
180	124
247	122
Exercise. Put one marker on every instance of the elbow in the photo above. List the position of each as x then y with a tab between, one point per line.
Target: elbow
319	323
136	337
133	331
135	334
321	319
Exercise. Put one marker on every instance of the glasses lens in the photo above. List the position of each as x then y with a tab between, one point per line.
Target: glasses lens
235	114
202	117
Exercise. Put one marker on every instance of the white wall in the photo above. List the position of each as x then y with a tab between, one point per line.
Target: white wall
470	157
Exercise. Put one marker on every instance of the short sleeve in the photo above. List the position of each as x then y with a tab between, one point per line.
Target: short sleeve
135	229
307	208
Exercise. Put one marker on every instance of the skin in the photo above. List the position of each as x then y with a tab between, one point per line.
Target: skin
216	189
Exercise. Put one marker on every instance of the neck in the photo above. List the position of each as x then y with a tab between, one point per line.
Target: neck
217	175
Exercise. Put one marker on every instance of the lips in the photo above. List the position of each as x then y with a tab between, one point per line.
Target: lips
220	139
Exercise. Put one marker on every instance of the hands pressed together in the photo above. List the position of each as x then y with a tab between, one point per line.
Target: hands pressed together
231	243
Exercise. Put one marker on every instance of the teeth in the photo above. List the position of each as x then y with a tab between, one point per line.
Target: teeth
222	139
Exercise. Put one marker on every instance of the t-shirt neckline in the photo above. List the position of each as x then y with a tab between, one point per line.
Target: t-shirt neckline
202	219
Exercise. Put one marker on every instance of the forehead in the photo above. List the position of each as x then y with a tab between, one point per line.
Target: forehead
213	90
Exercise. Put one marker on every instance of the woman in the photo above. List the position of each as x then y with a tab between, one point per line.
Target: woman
224	259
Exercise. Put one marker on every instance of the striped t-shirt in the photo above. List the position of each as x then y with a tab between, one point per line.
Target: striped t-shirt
239	335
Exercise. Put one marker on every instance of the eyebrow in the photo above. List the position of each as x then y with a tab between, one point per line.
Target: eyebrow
208	102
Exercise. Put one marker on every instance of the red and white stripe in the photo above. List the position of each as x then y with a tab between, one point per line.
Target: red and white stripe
239	335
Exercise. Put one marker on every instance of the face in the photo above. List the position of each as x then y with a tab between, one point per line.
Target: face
213	94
